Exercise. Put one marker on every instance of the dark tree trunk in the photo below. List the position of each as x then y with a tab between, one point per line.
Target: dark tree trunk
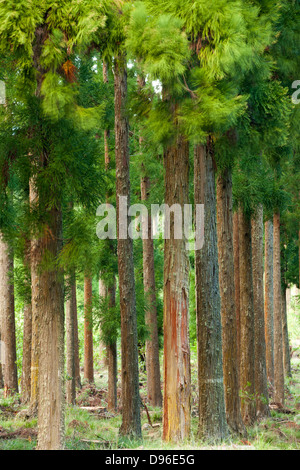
131	419
88	330
7	306
212	425
152	344
269	300
247	348
228	310
278	343
261	383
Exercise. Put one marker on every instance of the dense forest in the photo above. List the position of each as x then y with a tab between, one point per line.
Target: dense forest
149	223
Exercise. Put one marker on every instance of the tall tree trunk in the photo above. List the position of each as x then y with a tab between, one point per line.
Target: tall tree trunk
51	339
112	357
247	350
278	343
228	309
71	309
102	345
212	425
152	344
26	364
177	373
269	300
236	258
285	333
131	419
261	383
88	330
7	306
77	358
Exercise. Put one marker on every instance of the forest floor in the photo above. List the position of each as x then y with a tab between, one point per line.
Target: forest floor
90	426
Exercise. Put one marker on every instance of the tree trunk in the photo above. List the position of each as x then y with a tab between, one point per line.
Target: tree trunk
26	365
228	310
77	358
7	306
71	309
152	344
212	424
102	345
111	348
131	419
269	300
285	333
236	258
88	330
261	383
51	339
278	343
247	349
177	373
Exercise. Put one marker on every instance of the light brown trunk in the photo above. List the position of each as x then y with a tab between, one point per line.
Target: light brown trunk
102	346
278	343
152	344
285	333
131	419
26	365
77	358
247	348
269	300
228	310
7	306
212	415
88	331
261	384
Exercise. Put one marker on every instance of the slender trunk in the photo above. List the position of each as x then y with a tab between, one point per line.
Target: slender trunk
236	258
247	358
269	300
35	261
88	330
51	339
112	358
76	339
26	364
212	425
7	306
285	333
278	344
261	383
131	419
102	345
71	308
228	309
152	344
177	373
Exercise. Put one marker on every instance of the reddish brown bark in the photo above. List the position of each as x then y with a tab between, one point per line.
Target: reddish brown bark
212	415
152	344
236	258
177	380
247	347
71	309
278	338
88	330
7	315
269	301
228	309
261	384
